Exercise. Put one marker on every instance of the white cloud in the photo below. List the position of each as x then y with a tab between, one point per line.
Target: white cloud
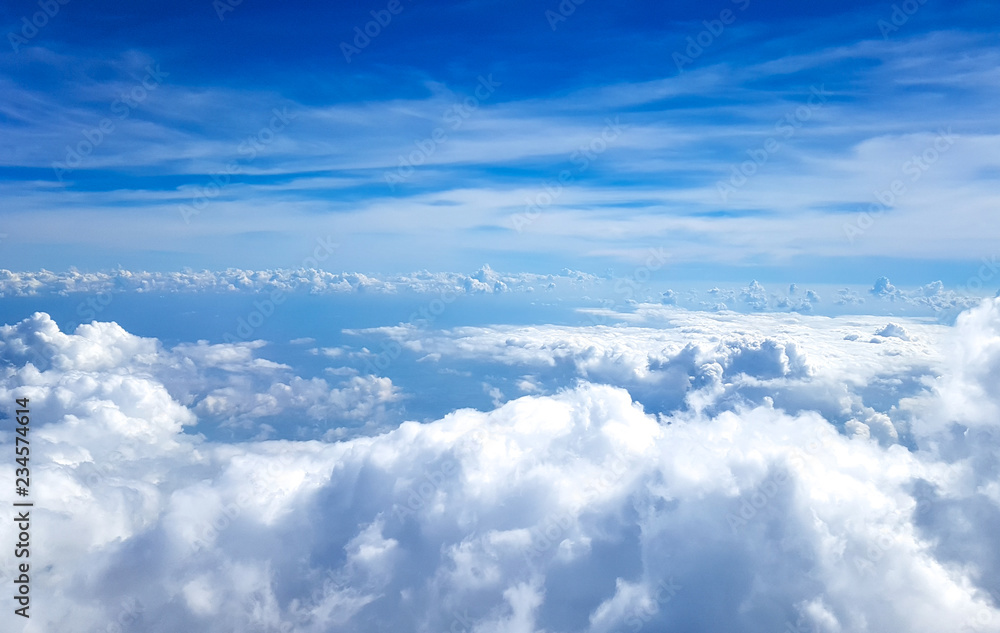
894	330
578	510
98	290
220	385
101	284
671	359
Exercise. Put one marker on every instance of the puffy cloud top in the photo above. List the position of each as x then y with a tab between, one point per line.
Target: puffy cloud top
574	510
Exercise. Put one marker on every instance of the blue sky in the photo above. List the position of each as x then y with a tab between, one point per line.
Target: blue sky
743	138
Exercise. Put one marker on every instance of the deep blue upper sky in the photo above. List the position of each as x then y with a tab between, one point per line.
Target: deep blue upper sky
441	143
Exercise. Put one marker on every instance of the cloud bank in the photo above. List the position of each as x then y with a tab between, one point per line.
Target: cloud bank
578	508
614	293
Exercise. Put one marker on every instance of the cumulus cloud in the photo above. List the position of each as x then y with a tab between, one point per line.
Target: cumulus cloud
359	399
98	289
893	330
754	296
673	359
966	393
577	509
221	386
485	280
884	288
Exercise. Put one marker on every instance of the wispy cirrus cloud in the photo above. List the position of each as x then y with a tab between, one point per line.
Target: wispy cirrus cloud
705	167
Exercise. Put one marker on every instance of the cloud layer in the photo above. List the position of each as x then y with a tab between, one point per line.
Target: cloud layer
575	510
613	292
